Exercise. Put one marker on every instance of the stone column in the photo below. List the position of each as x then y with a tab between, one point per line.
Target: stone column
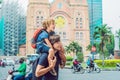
117	50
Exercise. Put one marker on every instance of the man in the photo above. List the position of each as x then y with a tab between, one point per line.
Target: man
41	72
21	70
90	61
75	63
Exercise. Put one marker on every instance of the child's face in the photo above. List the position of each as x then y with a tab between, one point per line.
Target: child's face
57	45
52	26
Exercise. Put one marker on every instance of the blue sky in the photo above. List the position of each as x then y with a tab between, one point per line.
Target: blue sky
111	13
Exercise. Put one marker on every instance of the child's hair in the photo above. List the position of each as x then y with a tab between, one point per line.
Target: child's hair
54	38
47	23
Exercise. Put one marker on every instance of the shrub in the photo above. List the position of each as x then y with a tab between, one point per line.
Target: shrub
69	58
108	63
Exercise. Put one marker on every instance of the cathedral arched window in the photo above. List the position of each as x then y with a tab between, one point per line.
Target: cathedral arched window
39	20
81	24
81	36
77	35
77	21
64	35
59	5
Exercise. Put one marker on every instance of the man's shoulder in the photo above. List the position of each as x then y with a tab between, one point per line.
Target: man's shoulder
43	59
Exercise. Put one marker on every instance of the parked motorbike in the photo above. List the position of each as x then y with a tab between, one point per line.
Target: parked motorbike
118	66
79	69
94	68
11	75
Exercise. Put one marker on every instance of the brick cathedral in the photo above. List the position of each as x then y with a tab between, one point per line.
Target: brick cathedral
71	18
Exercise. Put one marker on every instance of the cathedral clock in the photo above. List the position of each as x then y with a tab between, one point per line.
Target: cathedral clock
60	21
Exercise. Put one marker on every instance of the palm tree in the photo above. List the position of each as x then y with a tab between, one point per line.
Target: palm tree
103	33
118	34
73	47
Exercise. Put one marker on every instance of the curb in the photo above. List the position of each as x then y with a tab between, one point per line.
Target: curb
68	67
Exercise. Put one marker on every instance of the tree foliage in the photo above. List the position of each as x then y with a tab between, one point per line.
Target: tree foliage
75	48
104	34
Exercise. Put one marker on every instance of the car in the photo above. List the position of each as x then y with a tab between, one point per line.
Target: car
32	57
9	62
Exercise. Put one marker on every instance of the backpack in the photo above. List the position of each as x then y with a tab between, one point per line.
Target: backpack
34	38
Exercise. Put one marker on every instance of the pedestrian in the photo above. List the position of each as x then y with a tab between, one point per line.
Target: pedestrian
21	70
41	71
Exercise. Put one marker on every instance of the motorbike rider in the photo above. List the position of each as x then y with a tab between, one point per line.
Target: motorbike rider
75	63
90	60
21	70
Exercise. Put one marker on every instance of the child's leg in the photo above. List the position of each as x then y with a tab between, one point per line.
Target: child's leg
51	56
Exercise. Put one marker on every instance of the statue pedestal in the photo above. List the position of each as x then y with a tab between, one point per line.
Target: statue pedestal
117	54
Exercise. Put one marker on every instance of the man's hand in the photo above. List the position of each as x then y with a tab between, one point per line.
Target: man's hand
52	63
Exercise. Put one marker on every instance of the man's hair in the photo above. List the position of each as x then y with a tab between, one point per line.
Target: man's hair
54	38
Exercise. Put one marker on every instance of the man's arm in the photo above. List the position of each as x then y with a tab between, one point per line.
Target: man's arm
41	70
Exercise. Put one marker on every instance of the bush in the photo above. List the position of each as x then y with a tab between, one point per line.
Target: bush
108	63
69	58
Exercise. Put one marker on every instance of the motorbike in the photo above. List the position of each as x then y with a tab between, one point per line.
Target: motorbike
11	75
118	66
93	68
79	69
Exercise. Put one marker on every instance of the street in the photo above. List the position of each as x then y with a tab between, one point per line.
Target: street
66	74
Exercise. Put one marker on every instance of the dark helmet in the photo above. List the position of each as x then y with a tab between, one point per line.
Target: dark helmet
21	60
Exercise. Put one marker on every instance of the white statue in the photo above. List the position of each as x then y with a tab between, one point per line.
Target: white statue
116	43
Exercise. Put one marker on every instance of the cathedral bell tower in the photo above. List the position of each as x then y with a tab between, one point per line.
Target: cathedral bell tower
38	10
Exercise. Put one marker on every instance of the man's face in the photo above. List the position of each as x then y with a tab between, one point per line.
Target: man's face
57	45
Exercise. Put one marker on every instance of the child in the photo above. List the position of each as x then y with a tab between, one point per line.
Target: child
45	46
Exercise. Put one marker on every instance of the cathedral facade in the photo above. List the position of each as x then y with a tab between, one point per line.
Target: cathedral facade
71	18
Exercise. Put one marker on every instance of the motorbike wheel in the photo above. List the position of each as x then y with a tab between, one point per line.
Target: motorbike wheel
88	70
98	70
82	71
117	69
9	77
73	69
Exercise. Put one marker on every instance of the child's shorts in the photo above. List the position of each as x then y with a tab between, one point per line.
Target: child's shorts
43	48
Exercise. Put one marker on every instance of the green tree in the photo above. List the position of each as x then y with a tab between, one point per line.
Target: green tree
110	45
75	48
103	33
118	34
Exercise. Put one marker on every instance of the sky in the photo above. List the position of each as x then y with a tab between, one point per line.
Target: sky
111	13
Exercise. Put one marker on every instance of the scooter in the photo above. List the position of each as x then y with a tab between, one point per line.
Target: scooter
118	66
11	75
95	68
79	69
